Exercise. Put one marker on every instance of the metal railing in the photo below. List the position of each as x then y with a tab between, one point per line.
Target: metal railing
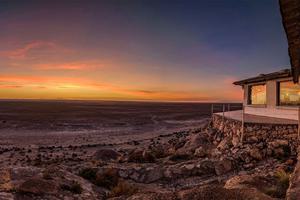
221	107
226	108
298	122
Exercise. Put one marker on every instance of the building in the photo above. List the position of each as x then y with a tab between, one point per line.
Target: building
271	105
278	94
271	95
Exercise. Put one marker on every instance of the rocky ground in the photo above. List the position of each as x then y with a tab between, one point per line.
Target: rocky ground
195	164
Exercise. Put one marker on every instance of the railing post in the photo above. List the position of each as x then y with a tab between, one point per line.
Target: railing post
243	123
298	123
212	109
228	109
223	112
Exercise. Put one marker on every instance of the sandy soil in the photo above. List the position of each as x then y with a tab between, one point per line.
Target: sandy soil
72	122
72	130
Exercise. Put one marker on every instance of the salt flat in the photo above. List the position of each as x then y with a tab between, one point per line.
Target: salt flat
86	122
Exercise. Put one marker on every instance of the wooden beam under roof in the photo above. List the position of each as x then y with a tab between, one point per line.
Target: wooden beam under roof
290	12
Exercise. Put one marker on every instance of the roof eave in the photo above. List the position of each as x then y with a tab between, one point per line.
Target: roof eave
290	12
264	78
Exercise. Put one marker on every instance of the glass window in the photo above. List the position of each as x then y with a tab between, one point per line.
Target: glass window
289	93
257	94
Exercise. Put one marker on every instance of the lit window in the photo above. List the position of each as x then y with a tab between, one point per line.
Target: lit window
289	93
257	95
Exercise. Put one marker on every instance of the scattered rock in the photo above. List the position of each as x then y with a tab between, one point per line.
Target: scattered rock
6	196
224	144
253	139
223	166
278	143
200	152
255	153
28	181
235	140
5	180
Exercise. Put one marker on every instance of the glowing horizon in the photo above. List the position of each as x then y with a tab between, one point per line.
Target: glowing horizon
134	51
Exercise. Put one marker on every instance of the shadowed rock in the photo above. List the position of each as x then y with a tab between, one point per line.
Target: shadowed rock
106	154
38	186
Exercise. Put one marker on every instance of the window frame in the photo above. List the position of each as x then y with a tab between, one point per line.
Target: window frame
249	101
278	95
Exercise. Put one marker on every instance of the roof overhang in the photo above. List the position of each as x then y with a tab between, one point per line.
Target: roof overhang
286	73
290	12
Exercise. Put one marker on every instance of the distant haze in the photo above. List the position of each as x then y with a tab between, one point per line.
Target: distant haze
137	50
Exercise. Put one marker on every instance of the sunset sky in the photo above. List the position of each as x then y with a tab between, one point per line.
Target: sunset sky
169	50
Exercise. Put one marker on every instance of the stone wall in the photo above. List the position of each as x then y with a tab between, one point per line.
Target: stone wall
267	137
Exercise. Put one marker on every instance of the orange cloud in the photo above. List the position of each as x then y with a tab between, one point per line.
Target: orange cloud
24	52
10	86
95	89
59	82
72	66
19	79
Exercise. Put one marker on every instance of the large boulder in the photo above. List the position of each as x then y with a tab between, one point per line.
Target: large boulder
258	184
159	151
106	155
141	173
152	174
190	168
218	192
293	192
196	140
278	143
38	186
238	182
205	167
38	182
141	156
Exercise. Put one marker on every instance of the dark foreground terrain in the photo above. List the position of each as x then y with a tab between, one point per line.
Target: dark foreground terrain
199	164
135	151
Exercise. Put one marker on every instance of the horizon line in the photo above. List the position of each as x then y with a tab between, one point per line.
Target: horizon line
118	100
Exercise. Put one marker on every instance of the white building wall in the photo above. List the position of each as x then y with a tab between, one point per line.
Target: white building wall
271	109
